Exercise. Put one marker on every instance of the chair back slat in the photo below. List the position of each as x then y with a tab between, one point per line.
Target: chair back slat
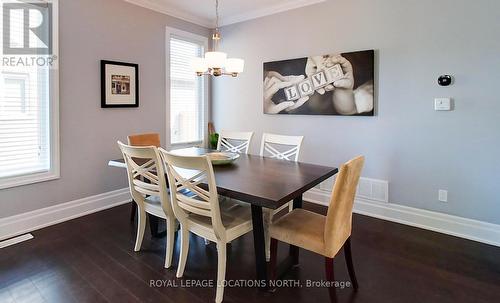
281	147
236	142
339	216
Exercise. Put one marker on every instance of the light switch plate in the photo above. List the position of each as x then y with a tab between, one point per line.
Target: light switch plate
442	104
443	195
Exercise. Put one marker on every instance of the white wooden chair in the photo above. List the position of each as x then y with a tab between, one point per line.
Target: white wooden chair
283	148
148	187
199	210
236	142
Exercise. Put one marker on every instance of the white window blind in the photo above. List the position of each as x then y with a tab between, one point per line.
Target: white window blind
26	100
186	93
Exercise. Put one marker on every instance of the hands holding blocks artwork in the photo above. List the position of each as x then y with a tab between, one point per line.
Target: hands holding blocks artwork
320	74
322	77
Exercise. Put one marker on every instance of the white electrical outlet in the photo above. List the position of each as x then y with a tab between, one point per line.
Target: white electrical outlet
443	195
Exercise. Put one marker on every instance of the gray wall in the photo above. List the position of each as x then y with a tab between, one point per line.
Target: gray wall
91	30
407	143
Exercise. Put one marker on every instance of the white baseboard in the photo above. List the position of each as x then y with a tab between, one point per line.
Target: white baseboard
40	218
447	224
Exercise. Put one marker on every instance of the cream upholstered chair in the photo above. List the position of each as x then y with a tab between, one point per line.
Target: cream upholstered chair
236	142
324	235
149	139
148	188
283	148
199	210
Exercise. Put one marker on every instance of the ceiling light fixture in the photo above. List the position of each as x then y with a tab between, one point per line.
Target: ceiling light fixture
216	63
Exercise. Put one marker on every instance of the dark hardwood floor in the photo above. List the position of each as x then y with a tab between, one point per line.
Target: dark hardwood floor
91	259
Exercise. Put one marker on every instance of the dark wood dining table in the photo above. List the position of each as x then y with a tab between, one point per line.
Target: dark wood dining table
262	182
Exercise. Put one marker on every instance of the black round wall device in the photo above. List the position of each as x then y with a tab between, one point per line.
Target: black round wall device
445	80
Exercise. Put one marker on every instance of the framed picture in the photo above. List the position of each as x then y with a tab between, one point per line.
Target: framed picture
340	84
119	84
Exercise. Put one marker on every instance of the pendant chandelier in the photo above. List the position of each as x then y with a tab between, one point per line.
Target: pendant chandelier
216	63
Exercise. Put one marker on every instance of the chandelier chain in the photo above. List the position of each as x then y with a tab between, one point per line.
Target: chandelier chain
216	14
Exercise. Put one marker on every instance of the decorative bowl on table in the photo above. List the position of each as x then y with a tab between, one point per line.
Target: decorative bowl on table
222	158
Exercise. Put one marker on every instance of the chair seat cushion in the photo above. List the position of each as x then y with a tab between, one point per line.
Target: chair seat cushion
152	205
301	228
233	214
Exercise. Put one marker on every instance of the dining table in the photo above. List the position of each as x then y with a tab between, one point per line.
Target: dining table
262	182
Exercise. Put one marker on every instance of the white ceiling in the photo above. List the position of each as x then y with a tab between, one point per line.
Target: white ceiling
202	12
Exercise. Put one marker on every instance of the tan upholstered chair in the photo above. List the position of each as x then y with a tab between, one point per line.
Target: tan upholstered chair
150	139
148	187
324	235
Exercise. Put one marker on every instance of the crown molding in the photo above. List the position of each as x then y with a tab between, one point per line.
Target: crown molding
176	13
249	15
271	10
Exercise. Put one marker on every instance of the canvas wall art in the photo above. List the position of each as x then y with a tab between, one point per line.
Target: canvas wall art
333	84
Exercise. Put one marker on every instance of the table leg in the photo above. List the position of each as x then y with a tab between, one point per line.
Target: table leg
294	250
153	226
259	246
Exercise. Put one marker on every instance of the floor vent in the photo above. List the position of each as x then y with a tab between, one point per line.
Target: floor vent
373	189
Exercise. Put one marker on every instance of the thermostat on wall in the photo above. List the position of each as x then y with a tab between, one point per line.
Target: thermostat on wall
442	104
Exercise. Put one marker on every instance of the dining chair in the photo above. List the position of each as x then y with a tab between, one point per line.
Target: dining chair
324	235
236	142
148	139
148	187
199	210
283	148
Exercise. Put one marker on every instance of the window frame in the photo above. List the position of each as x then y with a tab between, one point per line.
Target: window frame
202	40
53	125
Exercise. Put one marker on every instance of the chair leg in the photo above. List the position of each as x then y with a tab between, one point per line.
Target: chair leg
169	250
350	265
290	206
274	258
221	271
184	251
330	278
141	226
133	210
267	217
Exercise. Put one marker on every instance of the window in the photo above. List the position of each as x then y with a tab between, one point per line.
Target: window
28	100
187	91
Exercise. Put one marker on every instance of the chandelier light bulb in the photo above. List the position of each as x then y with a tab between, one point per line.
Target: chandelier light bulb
235	65
216	59
199	65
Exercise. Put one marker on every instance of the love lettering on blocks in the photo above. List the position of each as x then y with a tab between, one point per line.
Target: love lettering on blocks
316	81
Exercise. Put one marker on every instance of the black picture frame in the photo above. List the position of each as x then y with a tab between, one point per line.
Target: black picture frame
105	104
